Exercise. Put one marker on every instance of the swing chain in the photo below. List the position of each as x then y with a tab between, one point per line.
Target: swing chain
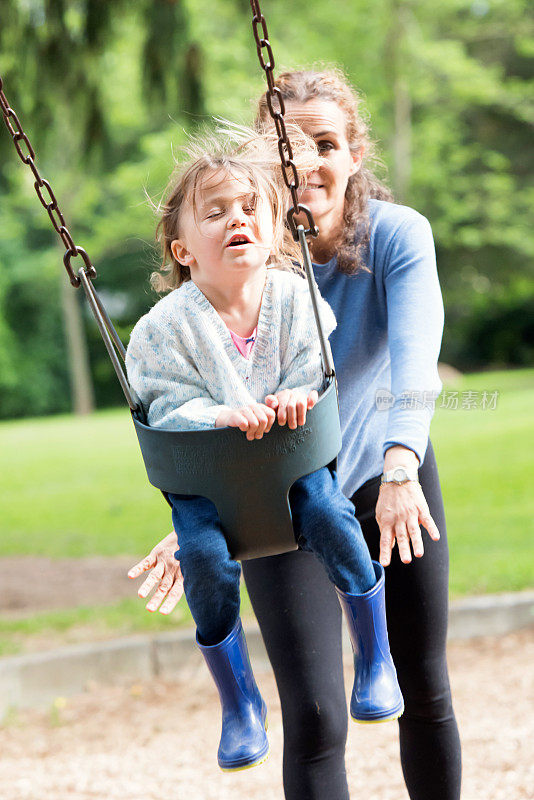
275	103
49	202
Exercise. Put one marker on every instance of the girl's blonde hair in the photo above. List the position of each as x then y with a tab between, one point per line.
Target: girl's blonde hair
331	84
244	153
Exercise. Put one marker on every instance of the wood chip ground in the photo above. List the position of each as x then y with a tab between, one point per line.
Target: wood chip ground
158	740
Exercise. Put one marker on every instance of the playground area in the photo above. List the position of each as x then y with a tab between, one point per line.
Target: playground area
146	741
409	109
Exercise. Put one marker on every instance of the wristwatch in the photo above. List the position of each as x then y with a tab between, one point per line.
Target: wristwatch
399	475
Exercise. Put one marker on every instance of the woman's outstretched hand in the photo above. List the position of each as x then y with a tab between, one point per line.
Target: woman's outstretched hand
400	510
165	574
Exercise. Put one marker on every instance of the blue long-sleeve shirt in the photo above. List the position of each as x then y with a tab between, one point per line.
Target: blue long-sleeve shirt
387	342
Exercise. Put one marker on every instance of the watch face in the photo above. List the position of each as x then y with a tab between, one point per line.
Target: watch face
399	474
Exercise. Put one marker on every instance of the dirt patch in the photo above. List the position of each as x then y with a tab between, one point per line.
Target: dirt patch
29	584
448	374
159	739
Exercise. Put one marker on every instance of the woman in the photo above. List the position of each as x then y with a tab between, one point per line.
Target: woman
375	264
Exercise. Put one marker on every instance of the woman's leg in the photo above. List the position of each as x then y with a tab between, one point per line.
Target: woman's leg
417	607
211	576
300	620
326	525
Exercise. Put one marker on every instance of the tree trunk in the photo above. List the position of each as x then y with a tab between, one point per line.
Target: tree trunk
82	394
401	100
402	138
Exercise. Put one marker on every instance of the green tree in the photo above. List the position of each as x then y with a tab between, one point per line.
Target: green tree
106	90
61	87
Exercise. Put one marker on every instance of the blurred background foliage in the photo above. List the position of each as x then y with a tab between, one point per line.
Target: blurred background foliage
108	91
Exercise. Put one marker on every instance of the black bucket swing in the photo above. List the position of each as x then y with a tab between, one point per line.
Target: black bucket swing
219	462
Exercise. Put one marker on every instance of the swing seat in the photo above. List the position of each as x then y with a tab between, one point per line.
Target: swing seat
247	481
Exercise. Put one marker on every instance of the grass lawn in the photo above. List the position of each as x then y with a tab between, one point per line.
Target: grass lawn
74	487
486	463
49	629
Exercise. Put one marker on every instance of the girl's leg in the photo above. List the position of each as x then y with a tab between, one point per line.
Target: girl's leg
416	602
325	523
300	620
211	576
211	585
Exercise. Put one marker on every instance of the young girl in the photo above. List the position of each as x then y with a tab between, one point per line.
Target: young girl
235	344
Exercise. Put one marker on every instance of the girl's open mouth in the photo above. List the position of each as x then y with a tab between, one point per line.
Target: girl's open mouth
239	240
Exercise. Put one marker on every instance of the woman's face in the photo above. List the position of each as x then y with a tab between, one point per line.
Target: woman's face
324	194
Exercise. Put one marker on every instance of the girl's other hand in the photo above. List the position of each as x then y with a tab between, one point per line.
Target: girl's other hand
292	406
254	420
165	574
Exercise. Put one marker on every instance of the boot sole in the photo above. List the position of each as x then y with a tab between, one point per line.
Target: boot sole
393	715
260	760
257	763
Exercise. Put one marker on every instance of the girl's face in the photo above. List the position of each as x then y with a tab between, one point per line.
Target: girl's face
228	234
324	194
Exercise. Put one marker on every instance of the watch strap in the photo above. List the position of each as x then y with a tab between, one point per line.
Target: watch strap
399	475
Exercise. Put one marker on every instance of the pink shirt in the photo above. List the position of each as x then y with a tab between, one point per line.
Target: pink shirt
244	343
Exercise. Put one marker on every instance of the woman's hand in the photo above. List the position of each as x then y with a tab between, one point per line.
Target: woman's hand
165	574
292	406
255	420
400	510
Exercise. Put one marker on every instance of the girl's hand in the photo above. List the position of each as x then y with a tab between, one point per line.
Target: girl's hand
165	574
255	419
292	406
400	510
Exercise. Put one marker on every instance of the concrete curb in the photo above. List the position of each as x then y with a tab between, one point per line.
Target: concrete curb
37	680
491	614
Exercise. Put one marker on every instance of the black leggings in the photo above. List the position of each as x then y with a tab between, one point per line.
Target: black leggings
300	620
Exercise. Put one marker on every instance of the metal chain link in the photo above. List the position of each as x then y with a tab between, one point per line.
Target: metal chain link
275	103
47	198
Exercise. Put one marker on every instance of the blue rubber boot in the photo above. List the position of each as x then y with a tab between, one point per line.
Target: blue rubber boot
376	695
243	739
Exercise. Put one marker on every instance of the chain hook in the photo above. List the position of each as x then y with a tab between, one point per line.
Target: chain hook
311	230
89	269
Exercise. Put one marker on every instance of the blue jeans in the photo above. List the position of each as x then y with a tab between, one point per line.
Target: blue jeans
324	523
